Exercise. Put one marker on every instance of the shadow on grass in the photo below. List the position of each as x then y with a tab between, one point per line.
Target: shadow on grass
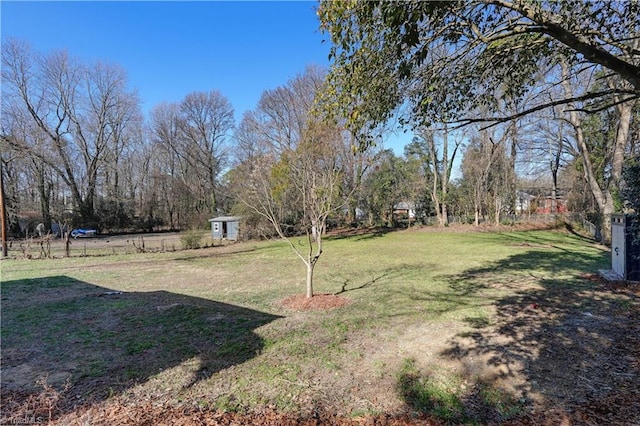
101	342
381	278
346	284
208	255
362	234
479	403
558	335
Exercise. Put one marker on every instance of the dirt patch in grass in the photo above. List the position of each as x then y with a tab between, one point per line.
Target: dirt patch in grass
571	354
319	301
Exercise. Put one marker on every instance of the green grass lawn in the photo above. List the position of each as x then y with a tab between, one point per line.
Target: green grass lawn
208	325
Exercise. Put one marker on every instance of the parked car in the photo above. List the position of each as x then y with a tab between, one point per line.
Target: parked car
83	233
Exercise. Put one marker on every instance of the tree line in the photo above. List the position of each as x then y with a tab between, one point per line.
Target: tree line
520	96
556	80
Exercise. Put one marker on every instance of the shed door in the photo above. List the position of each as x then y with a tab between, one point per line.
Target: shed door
215	230
232	231
618	246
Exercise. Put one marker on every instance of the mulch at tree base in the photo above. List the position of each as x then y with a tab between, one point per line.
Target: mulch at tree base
319	301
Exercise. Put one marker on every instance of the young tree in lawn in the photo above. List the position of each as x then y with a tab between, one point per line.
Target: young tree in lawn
290	171
297	191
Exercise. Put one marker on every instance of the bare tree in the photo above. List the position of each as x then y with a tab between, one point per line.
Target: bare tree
290	171
442	153
486	169
190	137
476	166
548	149
206	120
169	176
78	109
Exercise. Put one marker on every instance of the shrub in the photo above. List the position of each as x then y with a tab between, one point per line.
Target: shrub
191	239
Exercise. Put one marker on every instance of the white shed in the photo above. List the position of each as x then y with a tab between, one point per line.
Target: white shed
625	251
225	228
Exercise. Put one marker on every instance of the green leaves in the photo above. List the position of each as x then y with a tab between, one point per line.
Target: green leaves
448	58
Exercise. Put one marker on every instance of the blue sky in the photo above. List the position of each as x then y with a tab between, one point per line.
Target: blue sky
170	49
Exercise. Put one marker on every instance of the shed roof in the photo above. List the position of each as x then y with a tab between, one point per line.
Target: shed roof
225	219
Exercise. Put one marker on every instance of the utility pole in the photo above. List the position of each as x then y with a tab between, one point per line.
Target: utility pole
3	218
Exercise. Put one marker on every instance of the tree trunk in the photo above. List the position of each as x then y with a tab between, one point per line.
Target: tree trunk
622	136
310	265
555	167
476	221
602	195
214	203
436	175
444	220
353	202
318	228
3	216
512	176
44	190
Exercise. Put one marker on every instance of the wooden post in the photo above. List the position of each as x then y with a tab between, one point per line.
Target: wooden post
66	243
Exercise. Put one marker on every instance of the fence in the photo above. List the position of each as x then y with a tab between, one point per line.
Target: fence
51	247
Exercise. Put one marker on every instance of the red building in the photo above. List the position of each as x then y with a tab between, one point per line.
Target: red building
548	205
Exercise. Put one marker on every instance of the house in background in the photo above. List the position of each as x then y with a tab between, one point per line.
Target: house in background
540	202
405	209
549	205
524	202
